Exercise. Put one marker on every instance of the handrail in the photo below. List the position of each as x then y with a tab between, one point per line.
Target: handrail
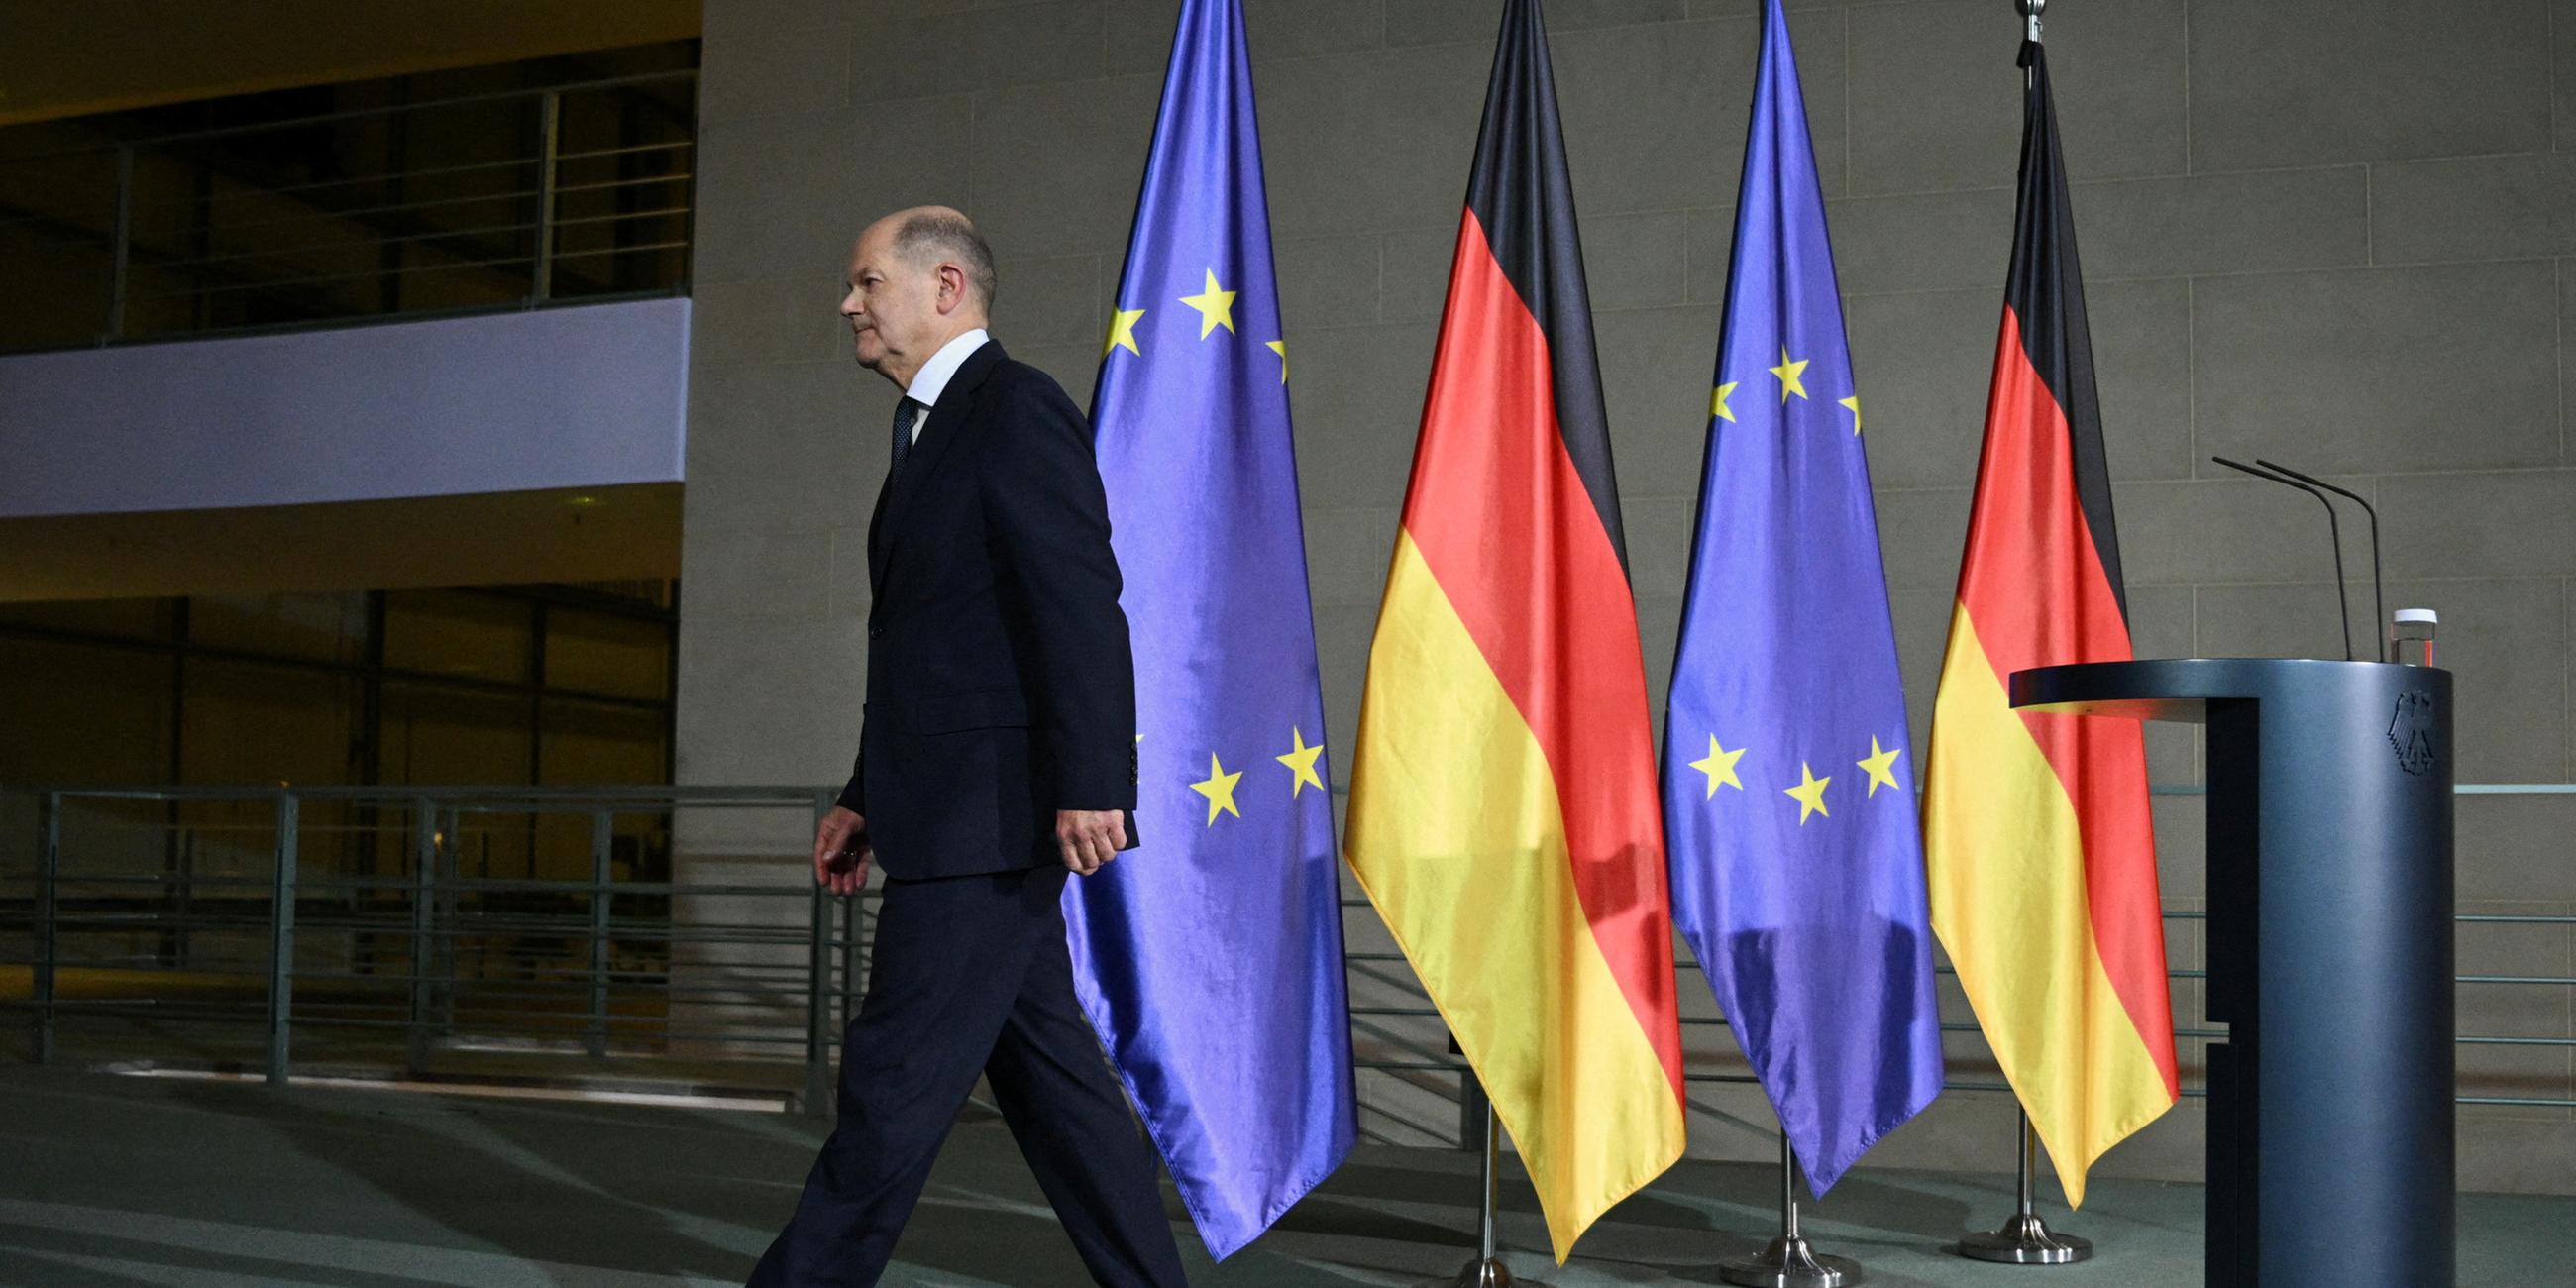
387	109
422	951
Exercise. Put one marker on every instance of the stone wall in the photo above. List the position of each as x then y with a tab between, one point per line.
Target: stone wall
2327	233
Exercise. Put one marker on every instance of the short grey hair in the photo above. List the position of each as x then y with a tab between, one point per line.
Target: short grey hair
937	235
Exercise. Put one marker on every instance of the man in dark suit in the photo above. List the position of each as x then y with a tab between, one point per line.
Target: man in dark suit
997	758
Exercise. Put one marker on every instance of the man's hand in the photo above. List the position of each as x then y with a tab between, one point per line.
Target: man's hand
1089	838
841	851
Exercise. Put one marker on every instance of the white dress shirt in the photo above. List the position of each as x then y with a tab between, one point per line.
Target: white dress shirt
932	380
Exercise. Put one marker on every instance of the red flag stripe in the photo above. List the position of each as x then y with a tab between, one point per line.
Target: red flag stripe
2049	544
1507	527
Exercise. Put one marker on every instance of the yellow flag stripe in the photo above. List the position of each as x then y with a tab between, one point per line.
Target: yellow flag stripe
1456	833
2005	857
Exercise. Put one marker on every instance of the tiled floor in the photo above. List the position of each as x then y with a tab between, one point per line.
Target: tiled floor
107	1182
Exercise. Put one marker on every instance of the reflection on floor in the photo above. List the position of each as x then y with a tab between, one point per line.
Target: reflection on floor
111	1182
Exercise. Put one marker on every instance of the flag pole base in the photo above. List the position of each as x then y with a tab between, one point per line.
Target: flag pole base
2025	1240
1485	1272
1790	1263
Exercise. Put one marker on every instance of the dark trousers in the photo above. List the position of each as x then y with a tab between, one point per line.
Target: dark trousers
970	975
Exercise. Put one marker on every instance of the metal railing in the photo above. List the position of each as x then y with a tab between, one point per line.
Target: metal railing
521	925
491	201
542	934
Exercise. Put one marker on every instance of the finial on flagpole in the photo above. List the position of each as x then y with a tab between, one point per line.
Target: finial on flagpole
2030	11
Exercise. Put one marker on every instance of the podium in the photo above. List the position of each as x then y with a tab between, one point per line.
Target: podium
2330	955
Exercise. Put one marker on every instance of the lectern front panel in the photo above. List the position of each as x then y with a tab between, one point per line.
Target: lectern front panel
2331	1130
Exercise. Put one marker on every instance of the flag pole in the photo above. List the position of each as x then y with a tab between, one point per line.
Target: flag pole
2025	1239
1487	1270
1789	1262
2030	11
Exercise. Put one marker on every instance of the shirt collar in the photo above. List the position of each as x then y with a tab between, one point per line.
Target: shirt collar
929	382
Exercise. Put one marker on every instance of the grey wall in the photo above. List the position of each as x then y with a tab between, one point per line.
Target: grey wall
2322	231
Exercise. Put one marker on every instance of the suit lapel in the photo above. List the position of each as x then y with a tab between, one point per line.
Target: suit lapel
876	539
939	435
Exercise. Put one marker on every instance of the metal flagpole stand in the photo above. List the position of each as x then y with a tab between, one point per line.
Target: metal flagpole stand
1789	1262
2025	1240
1487	1270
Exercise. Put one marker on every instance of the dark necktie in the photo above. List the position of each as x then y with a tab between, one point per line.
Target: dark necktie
903	414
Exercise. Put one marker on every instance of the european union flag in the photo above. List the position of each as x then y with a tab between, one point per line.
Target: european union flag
1210	959
1797	871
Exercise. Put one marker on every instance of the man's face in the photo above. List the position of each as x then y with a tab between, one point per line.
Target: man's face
893	306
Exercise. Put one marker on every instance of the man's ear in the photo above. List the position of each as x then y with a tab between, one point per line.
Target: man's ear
952	289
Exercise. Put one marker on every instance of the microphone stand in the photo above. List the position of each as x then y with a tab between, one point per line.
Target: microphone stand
2378	598
2334	533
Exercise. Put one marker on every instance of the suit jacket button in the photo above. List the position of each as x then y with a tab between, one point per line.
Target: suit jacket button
875	631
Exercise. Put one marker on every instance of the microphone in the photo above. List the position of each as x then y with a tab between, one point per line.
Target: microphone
2378	599
2334	533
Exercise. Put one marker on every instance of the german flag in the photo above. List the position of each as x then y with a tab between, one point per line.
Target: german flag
1503	809
2041	857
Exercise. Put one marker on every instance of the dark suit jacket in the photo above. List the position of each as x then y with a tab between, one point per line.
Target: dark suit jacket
1001	687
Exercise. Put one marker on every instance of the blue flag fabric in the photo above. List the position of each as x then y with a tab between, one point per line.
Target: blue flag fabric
1797	870
1210	959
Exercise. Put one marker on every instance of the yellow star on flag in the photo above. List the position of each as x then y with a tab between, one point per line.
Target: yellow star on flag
1810	794
1219	789
1280	347
1122	331
1216	307
1877	765
1301	762
1788	373
1717	403
1853	402
1719	765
